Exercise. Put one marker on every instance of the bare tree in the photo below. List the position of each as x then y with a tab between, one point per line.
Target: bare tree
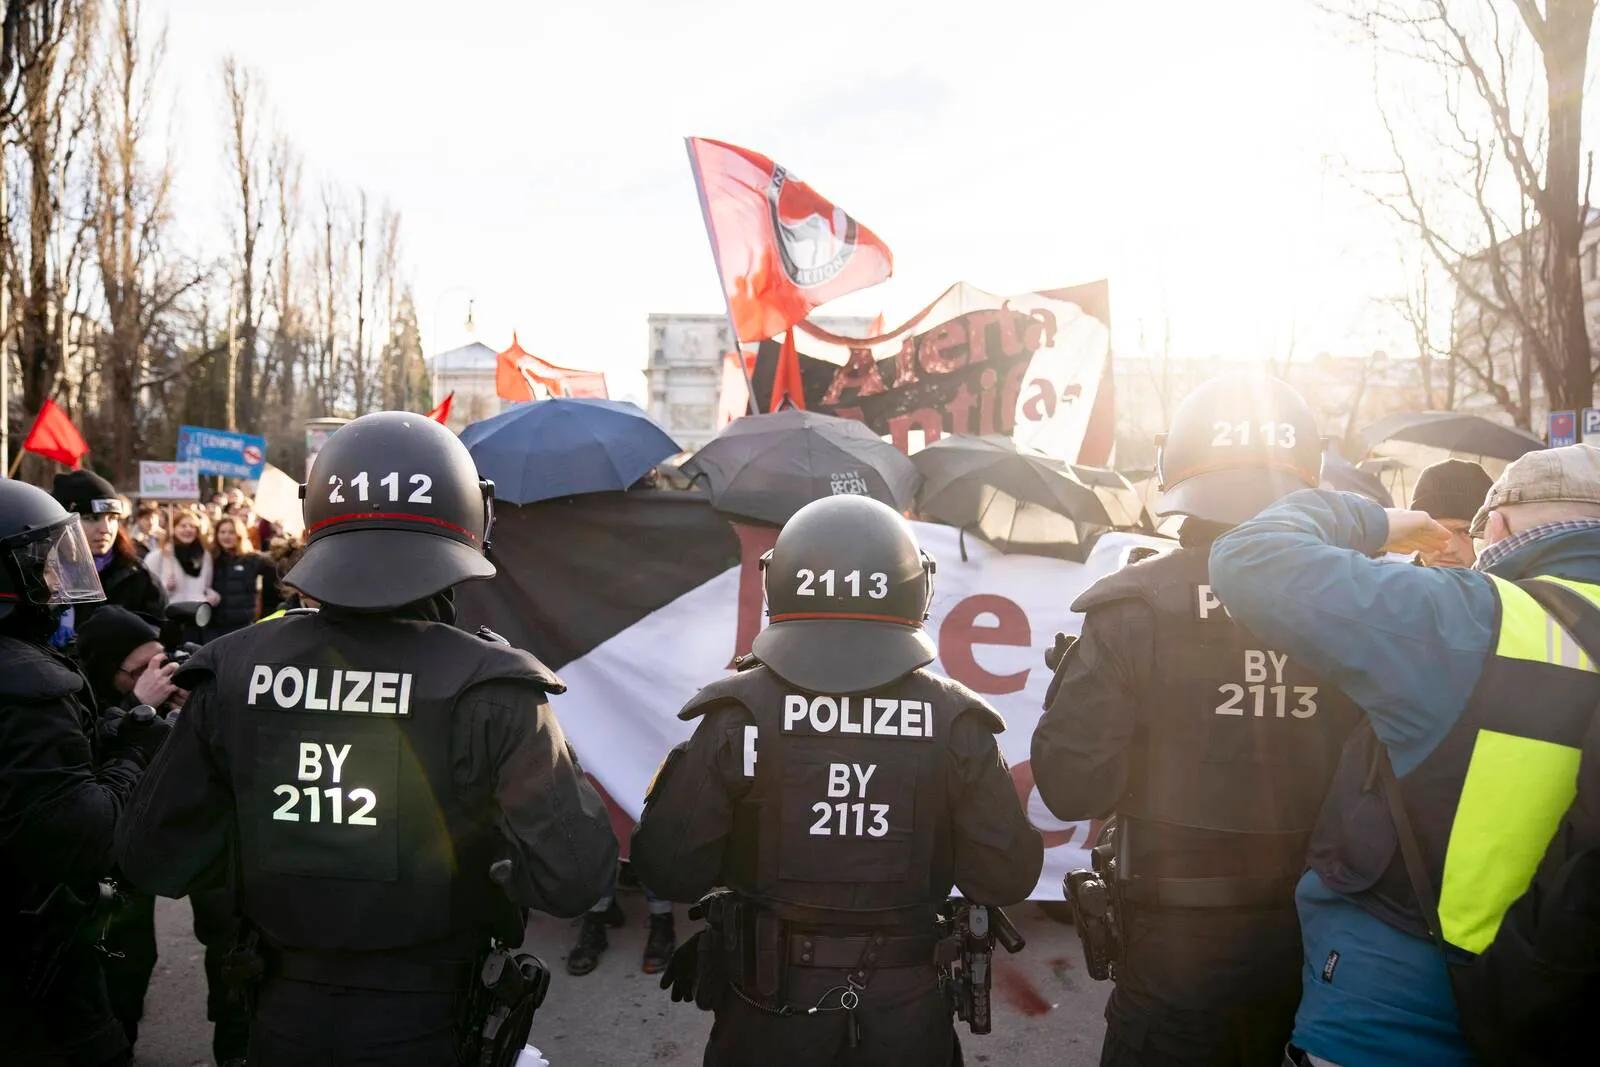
140	279
243	107
45	240
1494	191
325	386
286	360
360	357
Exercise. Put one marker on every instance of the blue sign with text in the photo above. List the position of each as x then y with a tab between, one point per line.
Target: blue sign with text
232	455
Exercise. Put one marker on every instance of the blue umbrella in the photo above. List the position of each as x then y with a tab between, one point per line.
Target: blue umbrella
564	446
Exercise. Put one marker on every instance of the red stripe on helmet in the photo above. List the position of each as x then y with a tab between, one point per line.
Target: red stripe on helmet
857	616
392	516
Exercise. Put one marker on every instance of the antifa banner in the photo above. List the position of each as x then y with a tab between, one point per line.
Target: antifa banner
638	600
1035	367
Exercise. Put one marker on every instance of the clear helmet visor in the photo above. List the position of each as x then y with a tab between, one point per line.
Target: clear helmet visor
59	568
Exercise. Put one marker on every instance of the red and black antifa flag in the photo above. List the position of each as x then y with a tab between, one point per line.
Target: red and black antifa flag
1034	366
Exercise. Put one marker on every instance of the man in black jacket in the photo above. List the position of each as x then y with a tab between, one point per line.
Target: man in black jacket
64	779
362	767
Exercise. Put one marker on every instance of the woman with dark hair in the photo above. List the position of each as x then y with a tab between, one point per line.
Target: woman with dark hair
126	581
236	574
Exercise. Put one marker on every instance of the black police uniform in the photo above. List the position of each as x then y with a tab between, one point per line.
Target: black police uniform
374	767
365	765
62	789
754	801
1215	750
839	817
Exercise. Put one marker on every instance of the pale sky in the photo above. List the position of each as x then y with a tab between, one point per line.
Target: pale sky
1192	153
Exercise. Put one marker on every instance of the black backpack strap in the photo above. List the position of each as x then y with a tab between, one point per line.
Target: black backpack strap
1576	614
1410	850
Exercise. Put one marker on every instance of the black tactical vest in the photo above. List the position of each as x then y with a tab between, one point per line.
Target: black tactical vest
337	744
848	810
1237	737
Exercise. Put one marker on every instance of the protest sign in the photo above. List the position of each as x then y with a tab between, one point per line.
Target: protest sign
223	452
1035	367
168	480
635	640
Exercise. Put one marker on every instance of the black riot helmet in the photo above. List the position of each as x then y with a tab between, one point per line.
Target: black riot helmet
395	512
44	557
847	591
1237	443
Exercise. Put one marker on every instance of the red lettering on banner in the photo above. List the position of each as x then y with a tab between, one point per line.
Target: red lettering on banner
929	420
860	374
753	542
986	412
960	631
942	348
1042	331
905	363
960	408
1008	396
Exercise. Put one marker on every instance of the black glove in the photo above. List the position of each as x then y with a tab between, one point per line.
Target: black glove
681	969
138	733
1058	651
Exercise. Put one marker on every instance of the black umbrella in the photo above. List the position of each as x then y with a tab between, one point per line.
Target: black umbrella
1016	499
1452	431
767	467
1339	473
1117	493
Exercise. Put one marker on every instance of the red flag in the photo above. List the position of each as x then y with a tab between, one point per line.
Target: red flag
780	248
786	383
509	381
517	371
441	414
54	437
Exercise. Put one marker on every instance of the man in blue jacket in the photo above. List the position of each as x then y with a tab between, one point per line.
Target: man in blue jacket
1477	701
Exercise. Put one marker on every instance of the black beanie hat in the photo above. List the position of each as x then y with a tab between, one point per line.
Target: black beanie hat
105	640
86	493
1453	489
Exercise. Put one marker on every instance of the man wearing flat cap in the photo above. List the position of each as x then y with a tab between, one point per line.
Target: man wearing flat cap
1478	688
1451	492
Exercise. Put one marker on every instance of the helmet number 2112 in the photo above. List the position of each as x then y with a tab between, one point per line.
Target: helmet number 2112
421	487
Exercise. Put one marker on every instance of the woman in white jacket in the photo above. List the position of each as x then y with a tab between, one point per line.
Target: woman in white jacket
183	562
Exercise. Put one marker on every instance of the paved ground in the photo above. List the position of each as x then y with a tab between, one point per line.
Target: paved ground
1047	1008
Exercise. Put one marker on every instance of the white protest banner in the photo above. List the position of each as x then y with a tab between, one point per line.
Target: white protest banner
992	617
168	480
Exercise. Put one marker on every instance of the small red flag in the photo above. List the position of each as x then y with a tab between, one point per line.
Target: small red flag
786	382
54	437
780	248
441	414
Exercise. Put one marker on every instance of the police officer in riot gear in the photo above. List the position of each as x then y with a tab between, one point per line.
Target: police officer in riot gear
838	789
65	778
363	767
1212	747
